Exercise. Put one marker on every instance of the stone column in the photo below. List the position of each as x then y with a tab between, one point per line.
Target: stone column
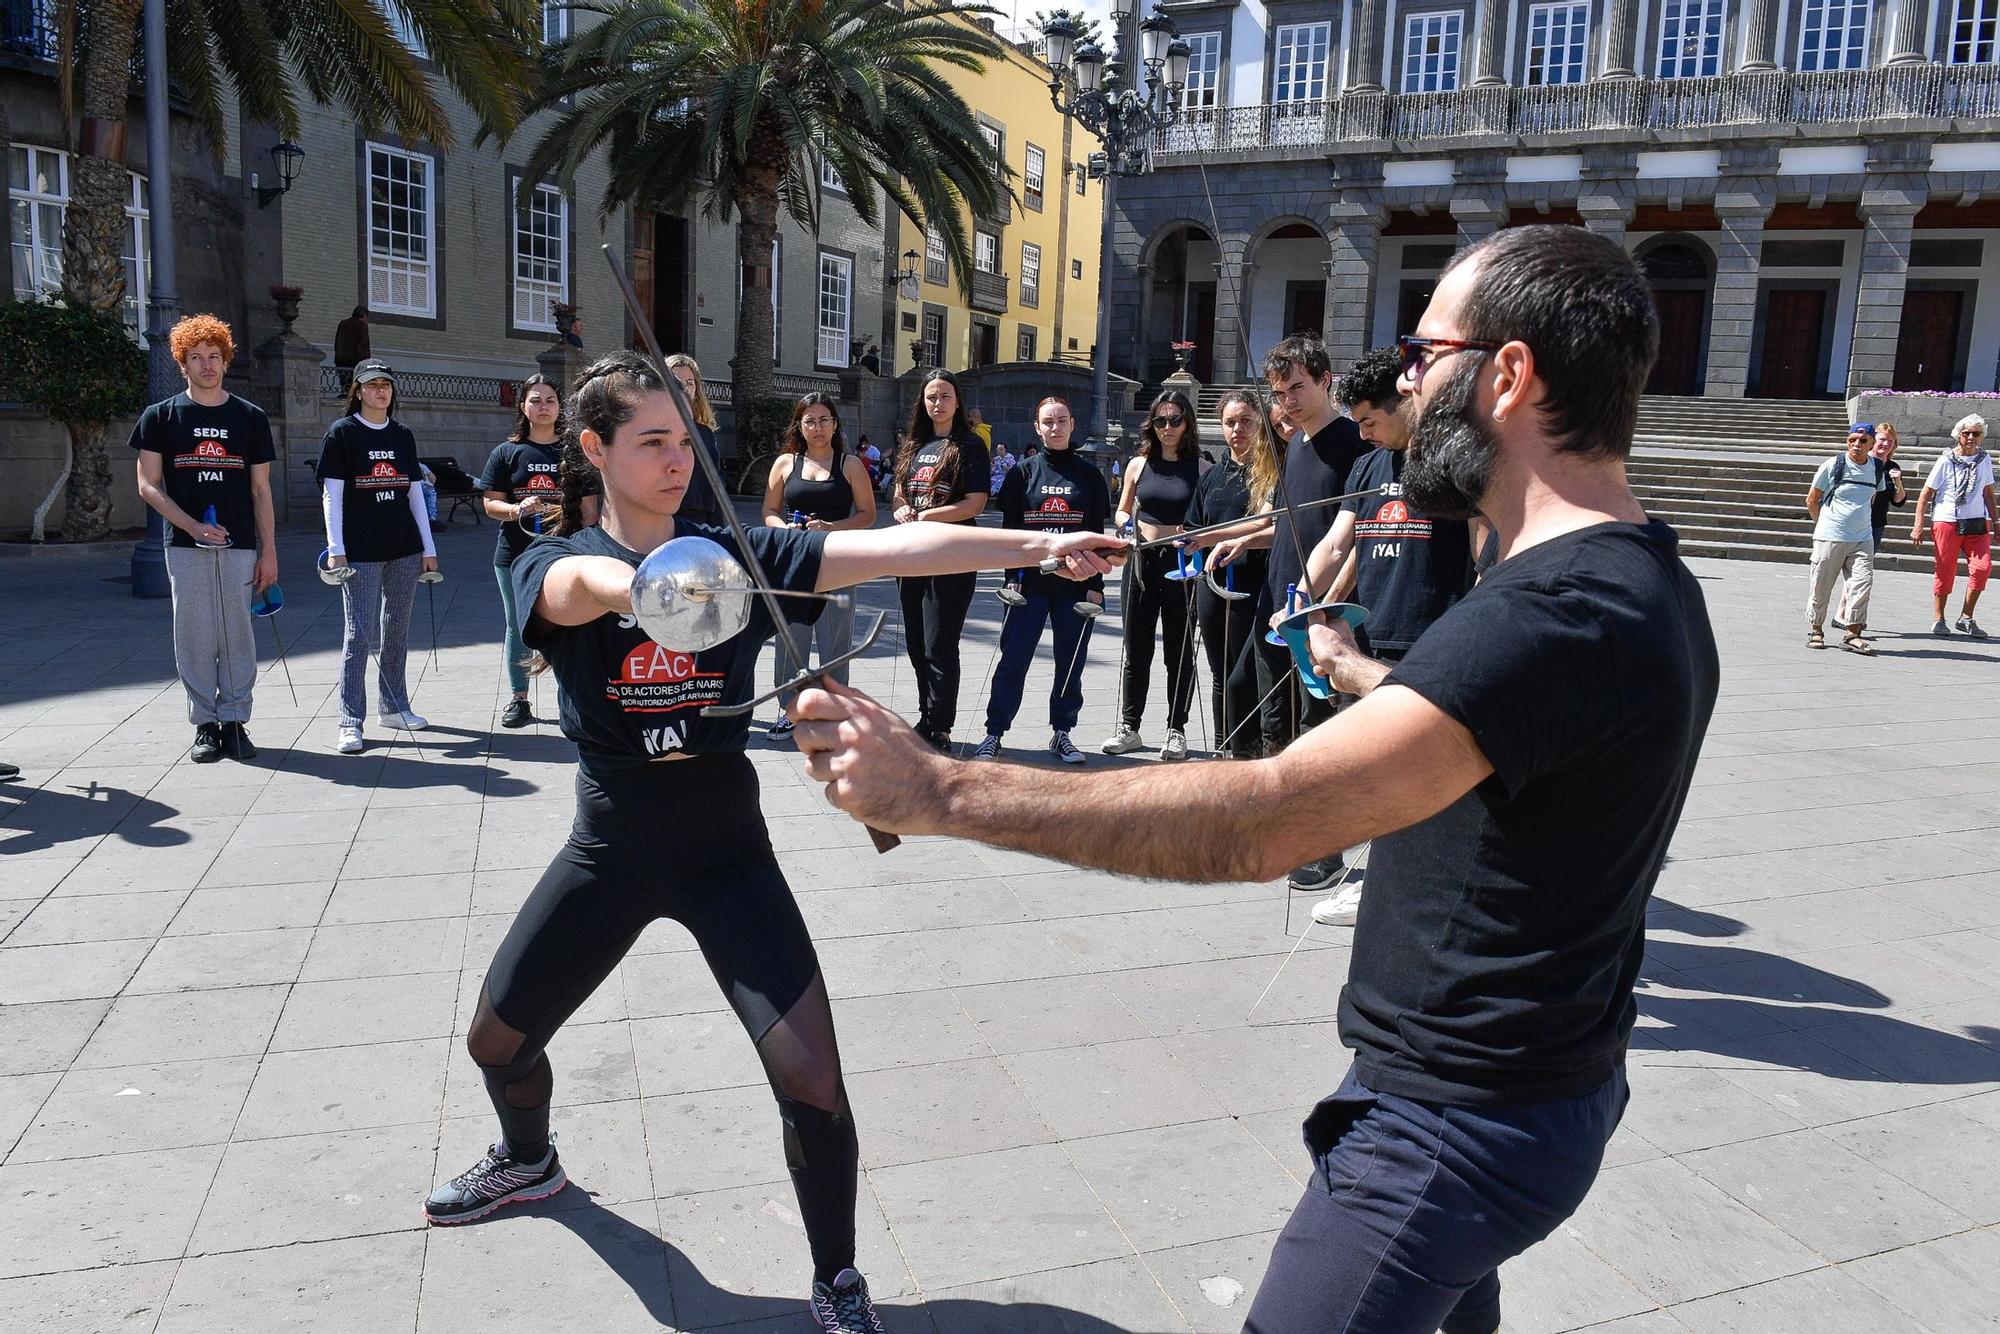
1607	215
1621	35
1232	310
1741	208
1354	236
1364	75
1759	37
1606	198
1906	38
286	384
561	363
1492	40
1878	300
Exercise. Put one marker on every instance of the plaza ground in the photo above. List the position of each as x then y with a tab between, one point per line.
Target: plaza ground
231	999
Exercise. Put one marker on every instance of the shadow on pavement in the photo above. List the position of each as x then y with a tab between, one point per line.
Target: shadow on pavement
32	819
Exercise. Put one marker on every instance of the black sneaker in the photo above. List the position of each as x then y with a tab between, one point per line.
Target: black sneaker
516	714
843	1307
236	742
497	1179
1315	877
207	744
939	741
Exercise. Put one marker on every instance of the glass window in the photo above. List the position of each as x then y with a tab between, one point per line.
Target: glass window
836	309
1691	39
829	178
1973	32
555	21
1301	68
37	198
1076	268
1034	178
933	339
1081	175
1204	77
1031	274
1431	45
986	252
401	214
1834	35
936	268
1024	346
541	258
996	140
28	27
1556	37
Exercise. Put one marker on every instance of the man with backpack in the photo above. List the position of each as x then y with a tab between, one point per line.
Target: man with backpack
1841	502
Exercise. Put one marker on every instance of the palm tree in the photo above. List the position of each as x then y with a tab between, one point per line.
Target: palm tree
268	53
739	102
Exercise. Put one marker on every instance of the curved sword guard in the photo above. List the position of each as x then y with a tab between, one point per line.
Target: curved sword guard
1227	588
431	577
334	575
1185	569
1010	595
1089	610
1293	629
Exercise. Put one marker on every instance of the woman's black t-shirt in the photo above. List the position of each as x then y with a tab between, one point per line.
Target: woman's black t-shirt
931	486
522	469
1878	517
1223	495
828	499
1408	570
206	458
625	700
1055	491
378	466
1165	487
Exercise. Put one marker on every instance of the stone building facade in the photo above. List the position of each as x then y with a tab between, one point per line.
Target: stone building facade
1813	186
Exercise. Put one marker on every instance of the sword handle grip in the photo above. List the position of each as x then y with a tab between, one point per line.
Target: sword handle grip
1050	564
883	842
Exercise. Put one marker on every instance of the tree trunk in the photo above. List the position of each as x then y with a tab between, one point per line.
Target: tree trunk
754	372
93	235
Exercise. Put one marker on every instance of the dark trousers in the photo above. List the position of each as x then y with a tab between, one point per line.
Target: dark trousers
1413	1207
1154	604
1225	637
1286	709
934	608
1018	638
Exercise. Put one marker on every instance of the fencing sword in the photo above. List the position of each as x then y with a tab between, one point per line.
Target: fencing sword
430	579
764	589
1360	857
267	605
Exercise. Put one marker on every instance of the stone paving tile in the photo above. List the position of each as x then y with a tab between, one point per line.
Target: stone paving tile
1110	1087
1143	1178
134	1109
224	959
921	1113
333	1287
1099	1298
81	1213
100	917
345	1088
30	973
318	1187
121	1299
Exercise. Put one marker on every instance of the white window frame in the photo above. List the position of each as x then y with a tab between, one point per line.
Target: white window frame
829	179
539	294
1301	55
1558	43
937	260
1433	51
386	267
835	299
1034	177
1974	38
1846	22
1204	77
35	216
985	252
1025	340
1031	274
557	22
1696	22
933	345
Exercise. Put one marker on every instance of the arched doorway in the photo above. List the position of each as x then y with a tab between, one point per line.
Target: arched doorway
1287	287
1180	304
1682	277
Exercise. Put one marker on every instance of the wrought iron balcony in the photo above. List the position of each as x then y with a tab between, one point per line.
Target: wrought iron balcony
28	28
989	292
1861	98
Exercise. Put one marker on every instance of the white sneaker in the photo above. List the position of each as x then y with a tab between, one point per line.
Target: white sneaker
350	741
1176	747
402	722
989	749
1064	749
1340	908
1123	741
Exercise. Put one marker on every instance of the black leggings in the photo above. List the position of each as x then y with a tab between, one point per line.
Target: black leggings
684	840
1154	603
1226	628
934	608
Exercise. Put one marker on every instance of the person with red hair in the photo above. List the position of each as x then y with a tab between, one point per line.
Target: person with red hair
205	466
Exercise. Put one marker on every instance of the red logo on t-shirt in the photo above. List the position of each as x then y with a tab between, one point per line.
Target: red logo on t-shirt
1394	511
1054	505
211	449
541	481
384	469
649	664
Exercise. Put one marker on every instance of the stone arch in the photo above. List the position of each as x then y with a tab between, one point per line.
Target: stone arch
1285	282
1680	270
1177	298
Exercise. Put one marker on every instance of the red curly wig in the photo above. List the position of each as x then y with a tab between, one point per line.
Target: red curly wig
194	330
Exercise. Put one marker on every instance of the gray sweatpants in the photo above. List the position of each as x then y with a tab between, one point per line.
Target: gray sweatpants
215	650
833	633
377	600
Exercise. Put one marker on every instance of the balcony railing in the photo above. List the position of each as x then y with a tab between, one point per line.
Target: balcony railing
28	28
989	292
429	387
1772	97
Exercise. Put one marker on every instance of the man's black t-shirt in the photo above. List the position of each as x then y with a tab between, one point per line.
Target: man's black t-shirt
1223	494
1499	939
1315	469
1408	570
377	466
1054	491
931	485
698	504
625	700
522	470
206	457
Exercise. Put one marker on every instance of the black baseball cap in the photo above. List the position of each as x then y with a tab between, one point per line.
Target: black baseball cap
373	369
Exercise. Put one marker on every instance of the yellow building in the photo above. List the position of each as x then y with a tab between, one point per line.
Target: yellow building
1035	264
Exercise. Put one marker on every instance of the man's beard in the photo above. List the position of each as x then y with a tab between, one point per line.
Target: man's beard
1452	452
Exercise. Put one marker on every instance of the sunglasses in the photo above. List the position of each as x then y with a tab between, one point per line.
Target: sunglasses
1169	419
1420	353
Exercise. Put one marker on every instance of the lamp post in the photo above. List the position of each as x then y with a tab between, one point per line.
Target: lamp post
163	302
1092	90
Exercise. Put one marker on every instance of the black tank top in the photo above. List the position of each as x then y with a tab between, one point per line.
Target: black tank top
1165	488
829	501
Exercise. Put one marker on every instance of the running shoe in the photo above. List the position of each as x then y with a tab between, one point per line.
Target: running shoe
1123	741
1176	747
989	749
1314	877
516	714
498	1178
207	747
782	728
1064	749
404	721
843	1306
940	741
1968	626
1940	629
350	741
9	772
1339	908
236	742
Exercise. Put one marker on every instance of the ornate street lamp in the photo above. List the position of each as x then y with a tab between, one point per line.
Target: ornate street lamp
287	157
908	279
1090	89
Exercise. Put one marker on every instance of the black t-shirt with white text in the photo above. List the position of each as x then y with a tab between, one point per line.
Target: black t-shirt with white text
1316	468
522	469
624	699
1499	939
931	485
1408	570
377	466
1223	494
1055	491
206	458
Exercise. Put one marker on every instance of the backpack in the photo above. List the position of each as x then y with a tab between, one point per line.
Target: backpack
1840	473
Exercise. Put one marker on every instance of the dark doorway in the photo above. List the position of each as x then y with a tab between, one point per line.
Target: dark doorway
1794	329
671	262
1411	301
985	343
1200	330
1678	371
1305	308
1927	343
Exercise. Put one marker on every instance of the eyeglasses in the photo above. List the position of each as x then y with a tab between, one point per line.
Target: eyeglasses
1416	351
815	423
1169	419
